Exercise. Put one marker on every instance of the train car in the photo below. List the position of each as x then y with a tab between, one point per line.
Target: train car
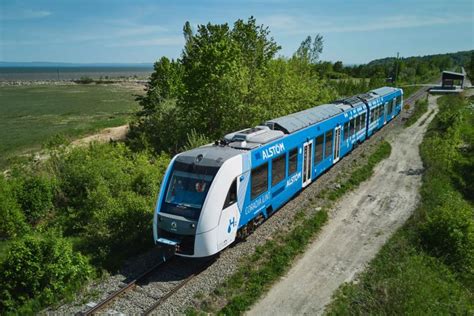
383	105
216	193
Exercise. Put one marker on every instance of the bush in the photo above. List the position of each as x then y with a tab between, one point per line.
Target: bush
35	195
85	80
12	223
448	233
38	270
119	227
106	198
447	229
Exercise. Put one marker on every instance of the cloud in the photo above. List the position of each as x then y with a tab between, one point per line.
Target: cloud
292	25
163	41
24	15
140	30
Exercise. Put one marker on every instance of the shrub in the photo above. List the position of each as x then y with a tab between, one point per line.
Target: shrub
106	198
38	270
119	227
194	140
448	233
12	223
85	80
35	195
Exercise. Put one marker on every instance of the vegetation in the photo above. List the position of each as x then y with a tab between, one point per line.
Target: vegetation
82	210
32	114
39	268
271	260
410	70
428	265
362	173
228	78
421	107
85	80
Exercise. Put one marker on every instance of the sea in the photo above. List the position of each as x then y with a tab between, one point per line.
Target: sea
61	72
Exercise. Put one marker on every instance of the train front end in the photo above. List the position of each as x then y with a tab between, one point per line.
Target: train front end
191	200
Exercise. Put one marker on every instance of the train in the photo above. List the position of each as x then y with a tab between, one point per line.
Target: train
213	195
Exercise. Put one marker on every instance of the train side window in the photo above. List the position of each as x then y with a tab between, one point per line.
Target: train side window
372	115
363	121
346	130
357	128
351	129
278	169
318	155
259	180
293	161
328	148
231	195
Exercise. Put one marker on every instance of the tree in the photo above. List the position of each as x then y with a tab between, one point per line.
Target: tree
310	50
217	74
338	66
226	79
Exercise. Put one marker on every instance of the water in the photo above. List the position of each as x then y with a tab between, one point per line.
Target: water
72	73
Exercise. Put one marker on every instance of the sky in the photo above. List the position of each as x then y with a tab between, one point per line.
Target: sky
140	31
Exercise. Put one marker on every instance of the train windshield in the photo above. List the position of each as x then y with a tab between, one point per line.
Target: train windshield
187	189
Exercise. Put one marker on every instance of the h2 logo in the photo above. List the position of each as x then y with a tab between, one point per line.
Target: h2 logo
231	224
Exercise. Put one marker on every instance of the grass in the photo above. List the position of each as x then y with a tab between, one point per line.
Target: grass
421	107
273	259
402	280
362	173
30	115
426	266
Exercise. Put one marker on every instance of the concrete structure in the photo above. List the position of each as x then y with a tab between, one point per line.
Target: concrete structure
449	78
451	82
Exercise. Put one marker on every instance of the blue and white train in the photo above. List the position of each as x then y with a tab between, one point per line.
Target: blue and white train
216	193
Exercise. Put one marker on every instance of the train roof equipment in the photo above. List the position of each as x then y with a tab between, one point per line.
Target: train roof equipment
250	138
207	156
294	122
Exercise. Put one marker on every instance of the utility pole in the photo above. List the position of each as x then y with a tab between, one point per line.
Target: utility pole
396	68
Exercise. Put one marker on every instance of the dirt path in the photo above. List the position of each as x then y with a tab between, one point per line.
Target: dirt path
358	226
105	135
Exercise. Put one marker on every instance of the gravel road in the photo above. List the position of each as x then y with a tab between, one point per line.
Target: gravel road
360	223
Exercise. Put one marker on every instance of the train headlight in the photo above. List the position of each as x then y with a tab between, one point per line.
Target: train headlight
193	225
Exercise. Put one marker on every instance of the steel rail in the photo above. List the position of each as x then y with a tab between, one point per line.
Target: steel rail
132	284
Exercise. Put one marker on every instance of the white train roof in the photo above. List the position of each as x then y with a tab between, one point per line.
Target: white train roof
208	155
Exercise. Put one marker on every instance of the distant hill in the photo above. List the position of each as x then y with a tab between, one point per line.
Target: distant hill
461	58
414	69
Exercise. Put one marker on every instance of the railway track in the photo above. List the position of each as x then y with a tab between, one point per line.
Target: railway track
143	294
416	95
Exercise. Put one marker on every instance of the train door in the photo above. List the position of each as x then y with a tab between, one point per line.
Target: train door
385	106
337	144
307	162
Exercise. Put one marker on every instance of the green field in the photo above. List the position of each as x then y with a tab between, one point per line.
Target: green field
30	115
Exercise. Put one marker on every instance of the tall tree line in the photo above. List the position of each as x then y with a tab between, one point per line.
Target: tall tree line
227	78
